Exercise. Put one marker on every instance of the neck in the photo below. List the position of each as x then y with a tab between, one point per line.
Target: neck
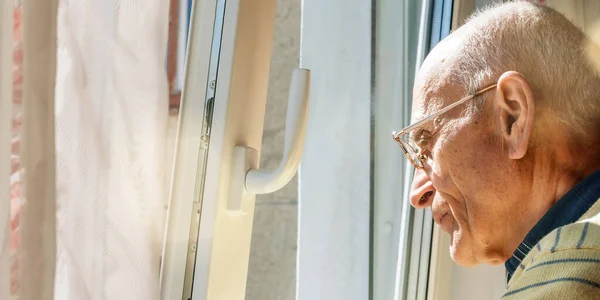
562	166
547	175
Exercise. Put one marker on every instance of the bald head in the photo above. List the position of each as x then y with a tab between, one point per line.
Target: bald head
534	40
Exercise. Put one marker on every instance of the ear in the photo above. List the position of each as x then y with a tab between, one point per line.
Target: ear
515	101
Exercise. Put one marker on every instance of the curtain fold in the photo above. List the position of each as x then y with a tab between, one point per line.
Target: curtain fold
6	46
37	251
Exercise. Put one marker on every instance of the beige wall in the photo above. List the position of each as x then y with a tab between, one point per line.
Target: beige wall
584	13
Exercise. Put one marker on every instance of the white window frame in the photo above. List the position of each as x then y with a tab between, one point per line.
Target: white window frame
203	234
184	196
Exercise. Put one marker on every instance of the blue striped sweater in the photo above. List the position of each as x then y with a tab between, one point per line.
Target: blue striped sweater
565	263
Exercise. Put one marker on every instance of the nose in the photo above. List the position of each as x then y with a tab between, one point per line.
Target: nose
422	190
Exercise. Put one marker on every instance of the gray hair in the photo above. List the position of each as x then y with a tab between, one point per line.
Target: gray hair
542	45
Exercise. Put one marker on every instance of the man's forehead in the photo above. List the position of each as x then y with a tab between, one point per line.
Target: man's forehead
433	87
425	97
428	99
433	92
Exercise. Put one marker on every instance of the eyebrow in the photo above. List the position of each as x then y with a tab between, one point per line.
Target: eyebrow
432	103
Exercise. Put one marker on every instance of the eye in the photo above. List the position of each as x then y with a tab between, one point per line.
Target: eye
422	139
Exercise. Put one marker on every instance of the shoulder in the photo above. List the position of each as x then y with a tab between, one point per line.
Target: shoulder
565	262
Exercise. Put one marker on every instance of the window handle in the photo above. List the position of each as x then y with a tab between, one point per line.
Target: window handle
260	181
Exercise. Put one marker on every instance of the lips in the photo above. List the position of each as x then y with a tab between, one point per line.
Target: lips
439	217
443	219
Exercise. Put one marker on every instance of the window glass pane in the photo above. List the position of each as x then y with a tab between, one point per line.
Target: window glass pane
396	47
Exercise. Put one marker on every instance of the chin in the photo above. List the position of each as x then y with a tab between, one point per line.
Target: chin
465	254
462	260
461	251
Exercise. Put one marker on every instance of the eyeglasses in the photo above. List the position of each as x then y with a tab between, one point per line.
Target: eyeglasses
409	147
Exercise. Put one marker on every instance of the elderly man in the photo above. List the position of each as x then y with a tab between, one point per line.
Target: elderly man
507	149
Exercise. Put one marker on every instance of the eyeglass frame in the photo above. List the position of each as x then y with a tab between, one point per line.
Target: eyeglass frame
397	135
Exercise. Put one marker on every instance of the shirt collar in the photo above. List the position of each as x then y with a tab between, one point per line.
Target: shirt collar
565	211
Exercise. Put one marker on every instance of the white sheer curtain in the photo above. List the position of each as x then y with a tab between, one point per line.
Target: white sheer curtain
95	100
111	128
37	250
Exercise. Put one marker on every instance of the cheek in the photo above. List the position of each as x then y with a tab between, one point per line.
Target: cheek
477	194
454	167
473	161
482	217
464	173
